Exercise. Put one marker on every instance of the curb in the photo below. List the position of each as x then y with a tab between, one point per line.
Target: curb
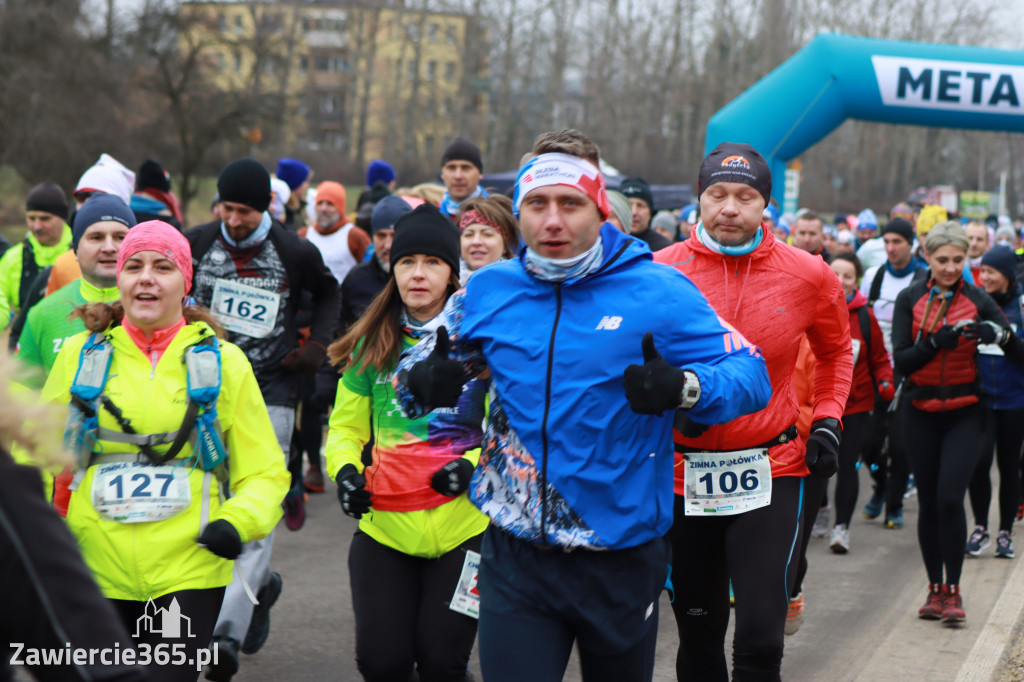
986	657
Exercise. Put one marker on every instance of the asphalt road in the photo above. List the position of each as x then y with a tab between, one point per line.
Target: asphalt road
860	624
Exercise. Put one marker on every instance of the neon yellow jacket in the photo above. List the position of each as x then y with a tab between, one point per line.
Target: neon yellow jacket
10	270
405	454
136	561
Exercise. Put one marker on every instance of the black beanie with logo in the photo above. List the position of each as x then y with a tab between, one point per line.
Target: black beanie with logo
736	162
426	230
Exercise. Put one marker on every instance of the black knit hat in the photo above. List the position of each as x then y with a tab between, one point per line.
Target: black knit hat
428	231
461	149
151	175
48	197
901	227
245	181
736	162
637	188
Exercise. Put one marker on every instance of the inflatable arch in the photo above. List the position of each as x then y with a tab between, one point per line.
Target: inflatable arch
836	77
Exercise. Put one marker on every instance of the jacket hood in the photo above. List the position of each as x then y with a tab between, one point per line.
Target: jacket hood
859	301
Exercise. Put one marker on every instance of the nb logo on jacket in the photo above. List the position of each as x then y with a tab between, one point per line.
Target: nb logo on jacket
609	322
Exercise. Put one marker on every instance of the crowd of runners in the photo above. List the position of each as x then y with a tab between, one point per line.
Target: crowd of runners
544	408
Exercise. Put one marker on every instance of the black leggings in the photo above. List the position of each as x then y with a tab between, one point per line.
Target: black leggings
945	451
755	550
198	611
1004	434
847	480
402	615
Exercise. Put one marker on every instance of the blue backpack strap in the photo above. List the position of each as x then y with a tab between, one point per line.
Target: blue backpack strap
83	415
203	370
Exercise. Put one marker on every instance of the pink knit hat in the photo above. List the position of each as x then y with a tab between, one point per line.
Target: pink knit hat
156	235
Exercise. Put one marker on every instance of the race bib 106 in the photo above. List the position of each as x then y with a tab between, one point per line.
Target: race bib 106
726	483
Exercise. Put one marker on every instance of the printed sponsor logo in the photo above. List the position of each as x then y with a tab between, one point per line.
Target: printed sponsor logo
949	85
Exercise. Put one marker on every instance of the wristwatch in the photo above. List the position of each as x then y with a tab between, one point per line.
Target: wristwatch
691	390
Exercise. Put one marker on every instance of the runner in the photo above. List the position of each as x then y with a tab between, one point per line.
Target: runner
871	372
576	469
146	508
1003	383
936	328
418	532
488	232
773	294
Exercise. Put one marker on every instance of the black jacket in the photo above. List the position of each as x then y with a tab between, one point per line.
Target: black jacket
309	284
360	287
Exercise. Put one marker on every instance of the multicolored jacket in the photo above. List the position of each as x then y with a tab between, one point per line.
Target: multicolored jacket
407	515
566	462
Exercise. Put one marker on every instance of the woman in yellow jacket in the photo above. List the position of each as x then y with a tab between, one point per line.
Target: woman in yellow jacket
156	532
412	562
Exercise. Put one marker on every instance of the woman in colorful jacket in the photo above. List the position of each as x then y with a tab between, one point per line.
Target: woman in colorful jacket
937	325
418	543
1003	384
871	372
156	532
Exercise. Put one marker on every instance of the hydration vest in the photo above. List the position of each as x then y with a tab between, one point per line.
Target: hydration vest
200	427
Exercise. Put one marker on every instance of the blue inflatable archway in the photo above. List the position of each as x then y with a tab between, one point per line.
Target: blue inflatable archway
836	77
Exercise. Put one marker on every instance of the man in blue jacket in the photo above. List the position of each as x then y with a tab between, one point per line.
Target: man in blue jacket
576	468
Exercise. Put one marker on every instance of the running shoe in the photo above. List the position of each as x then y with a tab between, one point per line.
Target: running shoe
795	615
953	607
732	595
226	660
1004	545
259	626
1020	512
873	509
295	508
936	602
979	540
314	480
911	487
821	524
894	521
840	542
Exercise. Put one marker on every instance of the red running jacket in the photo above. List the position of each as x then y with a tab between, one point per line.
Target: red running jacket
773	296
868	372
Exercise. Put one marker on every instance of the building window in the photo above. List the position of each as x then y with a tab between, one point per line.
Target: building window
428	145
238	61
238	23
331	103
412	70
449	108
412	31
303	64
431	70
450	34
432	31
222	22
449	71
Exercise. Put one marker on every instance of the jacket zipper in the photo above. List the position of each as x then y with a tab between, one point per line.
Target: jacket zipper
543	482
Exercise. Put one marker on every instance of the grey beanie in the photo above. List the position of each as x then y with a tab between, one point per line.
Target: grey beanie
621	208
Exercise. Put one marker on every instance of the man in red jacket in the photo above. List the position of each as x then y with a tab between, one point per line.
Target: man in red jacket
739	486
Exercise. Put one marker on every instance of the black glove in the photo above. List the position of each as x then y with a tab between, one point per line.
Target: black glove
437	381
221	538
306	359
687	427
823	448
655	386
453	478
945	337
352	492
986	332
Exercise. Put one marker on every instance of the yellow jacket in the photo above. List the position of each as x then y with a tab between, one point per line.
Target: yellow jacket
136	561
